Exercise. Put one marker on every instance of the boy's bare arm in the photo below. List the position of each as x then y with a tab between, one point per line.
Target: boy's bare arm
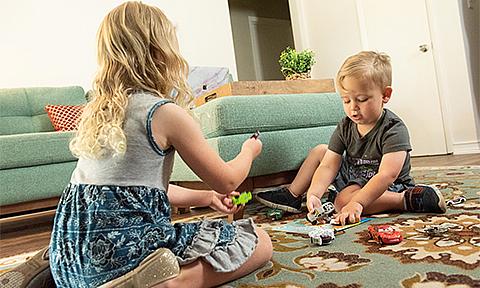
390	166
324	175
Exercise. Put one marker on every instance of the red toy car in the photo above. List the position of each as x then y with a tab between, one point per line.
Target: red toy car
385	234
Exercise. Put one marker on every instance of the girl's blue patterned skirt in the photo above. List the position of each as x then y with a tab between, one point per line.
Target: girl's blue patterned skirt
103	232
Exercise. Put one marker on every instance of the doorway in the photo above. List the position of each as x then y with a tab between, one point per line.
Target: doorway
405	37
261	30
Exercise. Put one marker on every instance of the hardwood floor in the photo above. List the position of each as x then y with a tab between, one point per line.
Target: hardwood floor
30	236
446	160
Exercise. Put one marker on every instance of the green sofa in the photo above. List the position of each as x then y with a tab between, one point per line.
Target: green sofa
36	164
289	124
35	161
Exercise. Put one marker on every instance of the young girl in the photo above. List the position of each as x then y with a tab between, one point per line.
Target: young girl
115	213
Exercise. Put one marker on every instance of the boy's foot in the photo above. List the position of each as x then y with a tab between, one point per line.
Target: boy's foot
423	198
158	267
281	198
35	272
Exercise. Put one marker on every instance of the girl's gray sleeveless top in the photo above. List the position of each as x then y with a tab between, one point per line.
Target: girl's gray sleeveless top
143	164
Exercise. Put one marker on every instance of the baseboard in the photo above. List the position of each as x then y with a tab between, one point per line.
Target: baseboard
28	207
468	147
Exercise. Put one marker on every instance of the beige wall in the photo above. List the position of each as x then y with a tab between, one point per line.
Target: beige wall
52	42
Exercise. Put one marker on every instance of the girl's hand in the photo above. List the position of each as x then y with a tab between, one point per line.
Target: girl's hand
253	145
223	202
350	213
313	202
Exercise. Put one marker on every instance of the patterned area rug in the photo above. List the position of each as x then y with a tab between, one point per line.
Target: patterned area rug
353	260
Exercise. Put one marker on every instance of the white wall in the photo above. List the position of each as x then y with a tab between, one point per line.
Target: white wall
331	28
470	14
313	24
52	42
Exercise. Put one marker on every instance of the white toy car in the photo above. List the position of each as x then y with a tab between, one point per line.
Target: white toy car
325	212
322	235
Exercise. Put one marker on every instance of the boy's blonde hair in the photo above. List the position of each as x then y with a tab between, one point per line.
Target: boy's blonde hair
137	50
372	67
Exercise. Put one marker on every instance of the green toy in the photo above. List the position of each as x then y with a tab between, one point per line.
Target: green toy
274	213
242	199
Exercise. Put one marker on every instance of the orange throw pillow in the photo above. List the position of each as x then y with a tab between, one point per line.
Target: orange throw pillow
64	117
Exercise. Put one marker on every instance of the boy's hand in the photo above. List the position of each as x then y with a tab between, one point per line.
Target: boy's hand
350	213
223	203
313	202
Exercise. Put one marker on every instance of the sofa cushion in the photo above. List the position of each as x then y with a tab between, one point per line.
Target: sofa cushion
245	114
34	183
23	150
282	150
23	109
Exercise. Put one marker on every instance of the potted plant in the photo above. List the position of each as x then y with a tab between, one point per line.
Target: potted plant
296	65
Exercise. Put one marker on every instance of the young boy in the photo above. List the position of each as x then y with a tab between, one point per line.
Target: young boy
367	159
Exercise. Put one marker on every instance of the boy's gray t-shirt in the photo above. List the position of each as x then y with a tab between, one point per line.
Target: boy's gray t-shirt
362	155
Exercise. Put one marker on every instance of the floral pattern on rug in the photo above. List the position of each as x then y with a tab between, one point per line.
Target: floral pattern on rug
459	181
440	280
352	260
331	262
459	246
293	285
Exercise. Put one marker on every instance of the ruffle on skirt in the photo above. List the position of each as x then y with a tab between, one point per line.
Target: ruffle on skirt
223	258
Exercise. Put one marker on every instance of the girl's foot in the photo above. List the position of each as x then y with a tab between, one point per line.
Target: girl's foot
158	267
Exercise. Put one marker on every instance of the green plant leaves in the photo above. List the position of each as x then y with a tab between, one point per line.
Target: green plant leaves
293	62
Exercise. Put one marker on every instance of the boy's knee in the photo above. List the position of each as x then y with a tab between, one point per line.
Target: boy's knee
318	151
340	201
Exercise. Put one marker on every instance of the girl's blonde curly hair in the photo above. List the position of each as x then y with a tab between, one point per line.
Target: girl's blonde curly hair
137	50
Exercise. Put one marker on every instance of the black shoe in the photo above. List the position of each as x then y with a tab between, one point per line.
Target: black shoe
423	198
34	273
282	199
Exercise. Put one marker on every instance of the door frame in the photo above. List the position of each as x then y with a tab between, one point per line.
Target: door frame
253	22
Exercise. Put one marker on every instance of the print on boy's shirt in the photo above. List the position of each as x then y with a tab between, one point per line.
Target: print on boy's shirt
362	168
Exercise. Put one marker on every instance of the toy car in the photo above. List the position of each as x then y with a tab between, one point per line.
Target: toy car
255	135
385	234
274	214
322	214
322	235
243	198
456	201
437	230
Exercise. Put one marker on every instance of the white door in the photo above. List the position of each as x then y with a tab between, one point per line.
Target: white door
400	29
269	38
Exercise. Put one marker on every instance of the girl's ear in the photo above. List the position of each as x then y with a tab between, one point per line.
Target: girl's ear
387	93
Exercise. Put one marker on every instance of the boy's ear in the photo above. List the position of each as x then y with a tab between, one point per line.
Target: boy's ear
387	93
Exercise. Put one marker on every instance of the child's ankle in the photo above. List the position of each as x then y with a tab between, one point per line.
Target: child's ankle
404	201
292	192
